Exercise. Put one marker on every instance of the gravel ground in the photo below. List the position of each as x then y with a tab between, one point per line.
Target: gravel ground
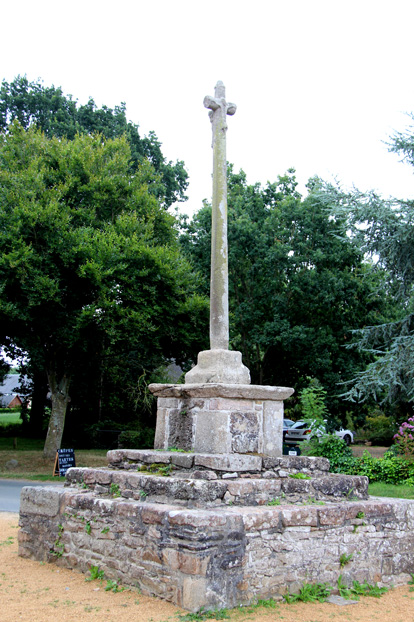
35	591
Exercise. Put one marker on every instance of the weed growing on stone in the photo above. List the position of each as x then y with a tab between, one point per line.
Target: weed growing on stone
105	530
88	528
313	501
345	559
310	593
360	515
299	476
143	494
203	614
274	501
96	574
359	589
58	546
164	470
114	490
112	586
411	583
270	603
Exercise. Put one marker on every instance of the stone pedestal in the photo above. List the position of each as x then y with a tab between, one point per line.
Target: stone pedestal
218	366
220	418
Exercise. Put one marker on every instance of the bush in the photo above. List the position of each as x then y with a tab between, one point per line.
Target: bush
132	439
391	469
332	447
378	429
404	439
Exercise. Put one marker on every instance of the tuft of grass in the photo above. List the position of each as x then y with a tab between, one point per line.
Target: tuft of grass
113	586
299	476
114	490
310	593
96	574
204	614
274	501
359	589
345	559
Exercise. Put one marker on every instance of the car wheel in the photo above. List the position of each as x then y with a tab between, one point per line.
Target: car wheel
347	439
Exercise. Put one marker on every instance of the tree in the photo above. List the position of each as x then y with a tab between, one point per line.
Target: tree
384	230
89	262
31	103
297	285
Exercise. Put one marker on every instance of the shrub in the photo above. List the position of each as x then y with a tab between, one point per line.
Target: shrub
332	447
133	439
378	429
404	439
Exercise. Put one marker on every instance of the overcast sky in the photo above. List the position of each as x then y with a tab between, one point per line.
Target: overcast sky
319	84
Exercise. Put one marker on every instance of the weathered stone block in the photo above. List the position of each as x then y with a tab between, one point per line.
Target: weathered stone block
43	501
244	432
212	433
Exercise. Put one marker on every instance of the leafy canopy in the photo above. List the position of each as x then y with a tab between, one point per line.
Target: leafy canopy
384	230
32	103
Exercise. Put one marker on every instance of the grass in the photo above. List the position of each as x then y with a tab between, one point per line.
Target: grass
32	465
378	489
9	416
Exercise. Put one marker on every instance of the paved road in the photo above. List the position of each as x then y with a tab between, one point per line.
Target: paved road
10	492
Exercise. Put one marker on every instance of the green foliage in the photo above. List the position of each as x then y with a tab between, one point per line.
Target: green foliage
114	490
310	593
132	439
399	491
93	285
58	546
113	586
297	288
344	559
379	429
95	574
404	439
360	589
312	400
158	468
387	237
59	115
204	614
332	447
299	476
276	501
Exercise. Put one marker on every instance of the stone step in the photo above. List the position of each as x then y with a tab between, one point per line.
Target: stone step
204	489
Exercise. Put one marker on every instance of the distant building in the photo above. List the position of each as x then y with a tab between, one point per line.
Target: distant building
9	392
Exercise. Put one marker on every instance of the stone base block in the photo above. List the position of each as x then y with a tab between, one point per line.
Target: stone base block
213	366
220	418
220	557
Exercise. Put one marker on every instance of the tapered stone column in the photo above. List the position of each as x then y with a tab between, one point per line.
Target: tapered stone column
219	364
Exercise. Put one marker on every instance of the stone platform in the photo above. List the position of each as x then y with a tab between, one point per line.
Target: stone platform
205	530
220	418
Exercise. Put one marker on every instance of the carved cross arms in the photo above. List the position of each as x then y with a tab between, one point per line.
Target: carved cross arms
219	101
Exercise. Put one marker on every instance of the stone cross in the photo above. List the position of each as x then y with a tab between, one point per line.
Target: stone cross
219	364
219	285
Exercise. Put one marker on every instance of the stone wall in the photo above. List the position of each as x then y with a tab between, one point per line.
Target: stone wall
218	558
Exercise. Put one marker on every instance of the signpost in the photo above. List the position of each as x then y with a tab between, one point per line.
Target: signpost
65	458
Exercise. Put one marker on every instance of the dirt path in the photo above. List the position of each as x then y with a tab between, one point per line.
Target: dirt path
34	591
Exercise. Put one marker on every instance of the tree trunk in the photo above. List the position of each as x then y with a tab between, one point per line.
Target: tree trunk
60	399
37	409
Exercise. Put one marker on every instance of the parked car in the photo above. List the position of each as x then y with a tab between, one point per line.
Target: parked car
287	424
302	430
